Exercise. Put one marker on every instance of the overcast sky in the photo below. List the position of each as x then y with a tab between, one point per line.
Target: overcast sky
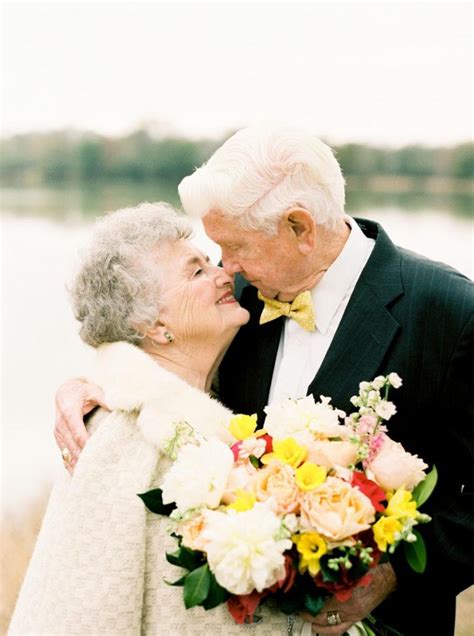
384	72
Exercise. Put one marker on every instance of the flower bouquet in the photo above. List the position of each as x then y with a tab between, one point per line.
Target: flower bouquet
298	511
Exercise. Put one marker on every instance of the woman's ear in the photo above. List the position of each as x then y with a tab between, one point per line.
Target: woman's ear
159	334
303	227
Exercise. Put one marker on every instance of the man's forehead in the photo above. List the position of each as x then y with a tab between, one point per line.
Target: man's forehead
223	227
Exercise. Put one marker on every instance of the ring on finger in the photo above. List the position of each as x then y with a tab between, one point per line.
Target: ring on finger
333	618
66	455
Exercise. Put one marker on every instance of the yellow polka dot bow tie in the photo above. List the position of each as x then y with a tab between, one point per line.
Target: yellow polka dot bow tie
300	309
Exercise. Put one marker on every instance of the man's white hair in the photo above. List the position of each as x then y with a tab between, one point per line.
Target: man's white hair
261	172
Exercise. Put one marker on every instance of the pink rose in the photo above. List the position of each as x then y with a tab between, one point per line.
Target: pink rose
393	467
330	454
277	480
336	510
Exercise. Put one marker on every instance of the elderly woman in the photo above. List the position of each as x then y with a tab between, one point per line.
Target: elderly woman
161	317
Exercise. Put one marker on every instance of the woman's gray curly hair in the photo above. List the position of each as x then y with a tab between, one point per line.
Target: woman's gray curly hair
116	292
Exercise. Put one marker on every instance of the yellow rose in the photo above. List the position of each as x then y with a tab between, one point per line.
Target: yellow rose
277	480
243	426
309	476
336	510
385	530
287	451
311	547
401	505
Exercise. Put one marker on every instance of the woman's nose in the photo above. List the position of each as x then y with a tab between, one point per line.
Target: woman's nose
222	278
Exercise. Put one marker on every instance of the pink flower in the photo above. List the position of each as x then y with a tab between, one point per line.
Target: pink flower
330	454
366	425
393	467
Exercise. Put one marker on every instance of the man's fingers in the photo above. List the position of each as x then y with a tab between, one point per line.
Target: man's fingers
320	626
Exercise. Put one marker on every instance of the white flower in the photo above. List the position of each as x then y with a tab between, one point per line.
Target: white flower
291	417
243	550
393	467
379	382
373	397
385	409
395	380
291	522
199	475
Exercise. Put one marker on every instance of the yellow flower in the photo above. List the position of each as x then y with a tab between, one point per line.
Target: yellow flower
401	504
310	476
244	501
311	547
288	451
243	426
384	531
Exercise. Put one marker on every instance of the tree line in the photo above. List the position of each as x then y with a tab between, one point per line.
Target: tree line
68	156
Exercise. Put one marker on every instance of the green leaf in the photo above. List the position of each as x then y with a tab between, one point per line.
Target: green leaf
153	500
217	594
424	489
313	604
416	553
254	461
179	582
185	558
196	586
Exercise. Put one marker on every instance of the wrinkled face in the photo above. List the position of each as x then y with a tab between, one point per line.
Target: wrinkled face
273	264
198	297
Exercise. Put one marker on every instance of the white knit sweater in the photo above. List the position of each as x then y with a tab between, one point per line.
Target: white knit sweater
99	565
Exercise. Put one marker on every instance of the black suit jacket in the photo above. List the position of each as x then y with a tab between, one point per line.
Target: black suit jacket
416	317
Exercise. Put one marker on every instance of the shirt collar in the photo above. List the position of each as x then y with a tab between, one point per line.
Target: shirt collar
341	277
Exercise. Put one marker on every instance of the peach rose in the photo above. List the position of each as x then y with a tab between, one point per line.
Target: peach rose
191	531
393	467
336	510
330	454
277	480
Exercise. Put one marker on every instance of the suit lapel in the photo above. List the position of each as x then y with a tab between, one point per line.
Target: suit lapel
367	327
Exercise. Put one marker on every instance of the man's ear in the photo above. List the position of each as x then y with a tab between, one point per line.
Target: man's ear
303	227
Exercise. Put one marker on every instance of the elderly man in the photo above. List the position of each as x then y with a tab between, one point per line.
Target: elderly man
333	301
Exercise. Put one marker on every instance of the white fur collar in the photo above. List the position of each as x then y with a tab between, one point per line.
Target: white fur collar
133	382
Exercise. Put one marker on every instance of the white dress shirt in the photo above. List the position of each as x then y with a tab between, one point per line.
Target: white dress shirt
301	352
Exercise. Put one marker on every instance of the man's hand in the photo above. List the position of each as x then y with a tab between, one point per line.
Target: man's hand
74	399
359	606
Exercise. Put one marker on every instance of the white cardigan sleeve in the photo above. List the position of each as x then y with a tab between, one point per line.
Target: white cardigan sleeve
86	575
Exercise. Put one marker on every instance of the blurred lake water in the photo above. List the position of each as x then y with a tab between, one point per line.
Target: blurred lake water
42	231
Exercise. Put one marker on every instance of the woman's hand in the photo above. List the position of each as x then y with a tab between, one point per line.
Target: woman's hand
74	399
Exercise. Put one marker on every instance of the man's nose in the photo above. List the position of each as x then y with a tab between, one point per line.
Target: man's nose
230	266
